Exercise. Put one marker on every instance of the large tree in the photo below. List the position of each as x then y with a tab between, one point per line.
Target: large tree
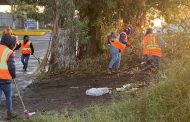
103	16
68	29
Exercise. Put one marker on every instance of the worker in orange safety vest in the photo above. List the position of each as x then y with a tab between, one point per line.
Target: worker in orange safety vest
26	50
152	51
118	44
7	71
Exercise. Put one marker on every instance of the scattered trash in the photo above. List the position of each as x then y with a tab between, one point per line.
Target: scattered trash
120	89
98	91
142	84
143	62
164	76
27	115
127	87
74	87
32	113
132	90
124	87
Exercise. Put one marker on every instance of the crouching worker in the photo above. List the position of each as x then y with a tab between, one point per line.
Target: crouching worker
26	50
7	71
152	53
116	48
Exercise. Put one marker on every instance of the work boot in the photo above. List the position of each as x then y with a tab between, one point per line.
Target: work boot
117	71
11	115
25	69
109	71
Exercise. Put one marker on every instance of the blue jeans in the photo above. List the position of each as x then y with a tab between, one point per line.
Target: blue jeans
24	60
156	61
7	89
116	58
151	67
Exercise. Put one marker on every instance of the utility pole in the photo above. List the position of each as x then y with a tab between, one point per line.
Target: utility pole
37	22
12	12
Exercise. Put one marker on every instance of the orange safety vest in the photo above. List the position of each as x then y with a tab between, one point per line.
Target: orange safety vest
151	45
5	53
126	40
25	47
118	44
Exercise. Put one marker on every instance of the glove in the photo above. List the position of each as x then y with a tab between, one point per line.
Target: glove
129	45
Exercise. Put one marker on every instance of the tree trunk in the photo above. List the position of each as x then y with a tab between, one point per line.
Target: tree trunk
63	53
53	58
66	53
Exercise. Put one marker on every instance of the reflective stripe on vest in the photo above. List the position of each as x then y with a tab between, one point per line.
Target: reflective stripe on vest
25	47
151	46
5	52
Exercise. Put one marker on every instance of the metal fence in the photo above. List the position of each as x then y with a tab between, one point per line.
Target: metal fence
6	19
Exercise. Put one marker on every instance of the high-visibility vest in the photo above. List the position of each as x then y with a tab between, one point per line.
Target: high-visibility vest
126	40
25	47
117	44
5	53
151	45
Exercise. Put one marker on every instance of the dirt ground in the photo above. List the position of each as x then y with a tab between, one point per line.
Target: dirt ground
60	93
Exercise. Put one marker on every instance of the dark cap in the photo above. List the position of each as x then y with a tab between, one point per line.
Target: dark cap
8	41
127	30
149	31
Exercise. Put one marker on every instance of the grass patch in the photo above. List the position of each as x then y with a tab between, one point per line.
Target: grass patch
166	102
30	32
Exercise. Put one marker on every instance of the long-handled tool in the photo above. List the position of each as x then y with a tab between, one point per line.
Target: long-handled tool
26	113
37	58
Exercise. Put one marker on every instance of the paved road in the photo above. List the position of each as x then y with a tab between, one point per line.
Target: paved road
23	79
40	44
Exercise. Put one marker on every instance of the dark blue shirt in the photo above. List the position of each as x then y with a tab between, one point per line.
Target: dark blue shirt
122	38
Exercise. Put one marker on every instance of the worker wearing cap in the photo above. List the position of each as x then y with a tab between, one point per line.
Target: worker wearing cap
118	43
26	50
7	71
124	37
152	50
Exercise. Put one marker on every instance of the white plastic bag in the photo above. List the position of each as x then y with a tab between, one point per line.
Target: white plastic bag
98	91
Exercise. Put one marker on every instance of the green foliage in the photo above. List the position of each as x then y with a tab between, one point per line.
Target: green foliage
24	11
172	10
81	29
105	16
